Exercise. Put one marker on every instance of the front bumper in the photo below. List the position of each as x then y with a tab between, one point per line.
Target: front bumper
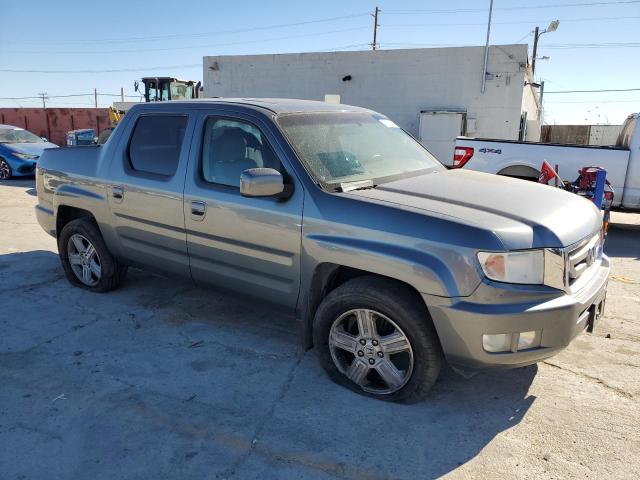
22	168
560	318
46	219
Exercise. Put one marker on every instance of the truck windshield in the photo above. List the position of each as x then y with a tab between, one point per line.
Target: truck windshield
18	135
344	147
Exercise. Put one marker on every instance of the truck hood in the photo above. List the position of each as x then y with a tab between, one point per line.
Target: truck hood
521	213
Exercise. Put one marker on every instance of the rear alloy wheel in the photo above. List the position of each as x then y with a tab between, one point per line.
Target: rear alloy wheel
371	350
84	260
5	170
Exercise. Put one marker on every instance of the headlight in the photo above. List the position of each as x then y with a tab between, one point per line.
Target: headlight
525	266
25	156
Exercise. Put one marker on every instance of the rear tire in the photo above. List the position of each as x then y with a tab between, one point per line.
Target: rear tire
86	261
397	358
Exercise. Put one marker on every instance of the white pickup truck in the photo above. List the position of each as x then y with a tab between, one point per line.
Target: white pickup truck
524	159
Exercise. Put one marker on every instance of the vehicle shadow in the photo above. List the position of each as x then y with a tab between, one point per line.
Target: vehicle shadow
623	243
210	372
429	439
19	182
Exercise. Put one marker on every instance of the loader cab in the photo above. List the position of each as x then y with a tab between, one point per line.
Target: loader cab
161	89
84	136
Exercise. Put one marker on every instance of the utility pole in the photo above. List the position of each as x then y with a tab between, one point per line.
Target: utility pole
44	98
122	94
486	49
374	45
535	50
95	96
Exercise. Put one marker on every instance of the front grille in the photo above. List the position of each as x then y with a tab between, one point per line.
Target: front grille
27	168
582	256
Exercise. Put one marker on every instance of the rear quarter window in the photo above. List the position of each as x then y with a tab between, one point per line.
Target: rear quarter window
155	144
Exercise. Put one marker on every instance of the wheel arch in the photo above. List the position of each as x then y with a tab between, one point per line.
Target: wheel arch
326	278
67	213
520	171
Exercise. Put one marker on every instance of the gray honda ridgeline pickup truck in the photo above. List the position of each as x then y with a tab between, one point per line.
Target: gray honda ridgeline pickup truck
391	262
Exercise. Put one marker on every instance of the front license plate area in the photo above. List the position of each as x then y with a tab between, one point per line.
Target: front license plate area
595	312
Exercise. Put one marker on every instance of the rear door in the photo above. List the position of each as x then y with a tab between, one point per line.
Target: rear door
147	191
250	245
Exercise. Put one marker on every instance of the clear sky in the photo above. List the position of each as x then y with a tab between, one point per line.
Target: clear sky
596	46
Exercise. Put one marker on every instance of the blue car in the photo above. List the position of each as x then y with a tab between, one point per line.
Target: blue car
19	151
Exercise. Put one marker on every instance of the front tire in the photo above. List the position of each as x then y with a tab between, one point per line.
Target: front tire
375	336
5	170
86	261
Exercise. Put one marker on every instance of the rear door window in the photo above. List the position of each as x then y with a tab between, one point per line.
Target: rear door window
156	143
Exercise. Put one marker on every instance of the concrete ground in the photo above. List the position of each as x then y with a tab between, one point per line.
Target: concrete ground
164	380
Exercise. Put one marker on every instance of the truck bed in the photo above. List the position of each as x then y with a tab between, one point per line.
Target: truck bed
524	159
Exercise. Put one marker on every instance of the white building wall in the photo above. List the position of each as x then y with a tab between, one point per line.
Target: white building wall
398	83
530	106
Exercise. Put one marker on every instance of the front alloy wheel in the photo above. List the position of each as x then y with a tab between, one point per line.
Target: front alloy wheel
371	350
5	170
375	336
84	260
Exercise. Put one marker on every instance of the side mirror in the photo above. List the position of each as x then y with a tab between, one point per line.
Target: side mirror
261	182
44	139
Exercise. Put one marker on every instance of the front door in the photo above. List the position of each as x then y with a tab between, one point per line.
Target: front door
147	194
245	244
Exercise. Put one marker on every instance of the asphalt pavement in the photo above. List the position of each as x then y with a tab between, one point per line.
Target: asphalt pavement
161	379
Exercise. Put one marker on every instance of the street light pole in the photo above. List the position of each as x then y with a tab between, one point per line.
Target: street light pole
535	50
553	26
486	48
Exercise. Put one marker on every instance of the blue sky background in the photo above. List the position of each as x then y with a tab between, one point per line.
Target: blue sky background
131	35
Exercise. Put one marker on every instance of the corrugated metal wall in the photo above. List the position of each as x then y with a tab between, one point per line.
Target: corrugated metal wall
54	123
581	134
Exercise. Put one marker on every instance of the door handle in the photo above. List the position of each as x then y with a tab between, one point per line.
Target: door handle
198	210
117	192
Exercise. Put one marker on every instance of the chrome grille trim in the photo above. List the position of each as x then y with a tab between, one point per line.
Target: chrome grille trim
582	256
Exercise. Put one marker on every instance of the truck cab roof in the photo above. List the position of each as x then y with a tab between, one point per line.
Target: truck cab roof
275	105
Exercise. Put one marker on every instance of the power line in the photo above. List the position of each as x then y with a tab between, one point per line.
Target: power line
519	22
567	46
631	100
525	36
39	97
527	7
242	42
111	70
570	46
595	91
192	35
288	37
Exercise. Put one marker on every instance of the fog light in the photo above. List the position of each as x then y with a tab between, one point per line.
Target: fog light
528	340
500	342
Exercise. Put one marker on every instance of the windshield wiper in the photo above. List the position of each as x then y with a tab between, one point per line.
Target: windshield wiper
358	185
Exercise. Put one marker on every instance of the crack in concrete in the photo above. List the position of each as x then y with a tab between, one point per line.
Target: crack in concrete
597	380
43	283
268	416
